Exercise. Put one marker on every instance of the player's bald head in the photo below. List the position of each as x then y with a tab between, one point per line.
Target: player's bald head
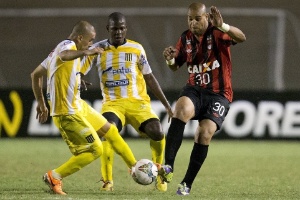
82	28
198	7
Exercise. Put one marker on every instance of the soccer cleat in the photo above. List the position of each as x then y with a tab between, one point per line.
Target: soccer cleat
107	186
183	189
54	184
160	184
166	172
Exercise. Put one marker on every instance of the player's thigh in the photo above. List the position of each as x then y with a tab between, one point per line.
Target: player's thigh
78	133
139	114
93	117
116	108
215	107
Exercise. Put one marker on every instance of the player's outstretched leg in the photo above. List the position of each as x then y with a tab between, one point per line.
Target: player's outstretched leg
54	184
107	160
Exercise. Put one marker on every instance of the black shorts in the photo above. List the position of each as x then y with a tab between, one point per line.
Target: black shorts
208	105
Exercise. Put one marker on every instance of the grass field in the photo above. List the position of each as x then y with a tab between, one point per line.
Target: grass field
233	170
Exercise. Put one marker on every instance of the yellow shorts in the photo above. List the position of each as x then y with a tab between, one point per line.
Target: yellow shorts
93	117
78	133
133	112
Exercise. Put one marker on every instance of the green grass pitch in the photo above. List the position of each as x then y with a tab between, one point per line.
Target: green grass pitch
233	170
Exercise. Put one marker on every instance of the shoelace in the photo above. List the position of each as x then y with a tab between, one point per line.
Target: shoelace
104	182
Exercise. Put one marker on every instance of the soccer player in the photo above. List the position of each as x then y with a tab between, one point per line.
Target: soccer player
69	112
205	48
124	74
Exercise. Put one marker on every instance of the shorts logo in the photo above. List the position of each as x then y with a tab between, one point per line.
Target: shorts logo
216	114
90	139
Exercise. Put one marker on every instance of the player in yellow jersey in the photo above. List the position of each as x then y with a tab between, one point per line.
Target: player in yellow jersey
69	112
124	74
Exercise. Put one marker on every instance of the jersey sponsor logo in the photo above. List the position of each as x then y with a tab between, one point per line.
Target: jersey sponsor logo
128	57
202	76
107	70
117	83
205	67
117	71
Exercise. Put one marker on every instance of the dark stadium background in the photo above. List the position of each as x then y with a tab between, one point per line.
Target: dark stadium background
265	67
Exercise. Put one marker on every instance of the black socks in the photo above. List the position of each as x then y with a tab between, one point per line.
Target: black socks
173	141
197	158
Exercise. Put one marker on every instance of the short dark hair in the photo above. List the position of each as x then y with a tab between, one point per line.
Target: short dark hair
115	16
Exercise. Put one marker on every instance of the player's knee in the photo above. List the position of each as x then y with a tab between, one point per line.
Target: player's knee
97	150
156	136
153	129
205	136
155	133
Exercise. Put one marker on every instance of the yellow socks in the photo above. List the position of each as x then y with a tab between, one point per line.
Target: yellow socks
157	150
107	160
75	163
120	146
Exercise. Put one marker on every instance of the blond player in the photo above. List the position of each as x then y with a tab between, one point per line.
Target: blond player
124	76
71	114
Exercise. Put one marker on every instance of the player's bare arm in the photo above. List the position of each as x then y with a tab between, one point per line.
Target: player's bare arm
216	19
68	55
155	88
37	87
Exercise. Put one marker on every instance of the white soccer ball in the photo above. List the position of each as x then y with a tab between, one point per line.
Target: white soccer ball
144	172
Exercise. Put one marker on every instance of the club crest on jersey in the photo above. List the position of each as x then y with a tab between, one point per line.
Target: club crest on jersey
128	57
209	42
189	50
143	60
205	67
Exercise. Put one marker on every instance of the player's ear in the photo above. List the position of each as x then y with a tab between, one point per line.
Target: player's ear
80	37
107	27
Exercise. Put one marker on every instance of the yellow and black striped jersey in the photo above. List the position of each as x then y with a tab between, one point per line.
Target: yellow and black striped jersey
120	70
63	81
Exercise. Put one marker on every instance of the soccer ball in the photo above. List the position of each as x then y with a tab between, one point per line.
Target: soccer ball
144	172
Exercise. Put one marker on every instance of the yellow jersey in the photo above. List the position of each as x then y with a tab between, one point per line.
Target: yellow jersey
63	81
120	70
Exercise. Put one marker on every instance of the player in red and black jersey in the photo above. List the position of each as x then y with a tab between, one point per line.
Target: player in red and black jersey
205	48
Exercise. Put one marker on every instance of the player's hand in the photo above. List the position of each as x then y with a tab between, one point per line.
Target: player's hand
169	53
215	17
42	112
84	85
94	51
